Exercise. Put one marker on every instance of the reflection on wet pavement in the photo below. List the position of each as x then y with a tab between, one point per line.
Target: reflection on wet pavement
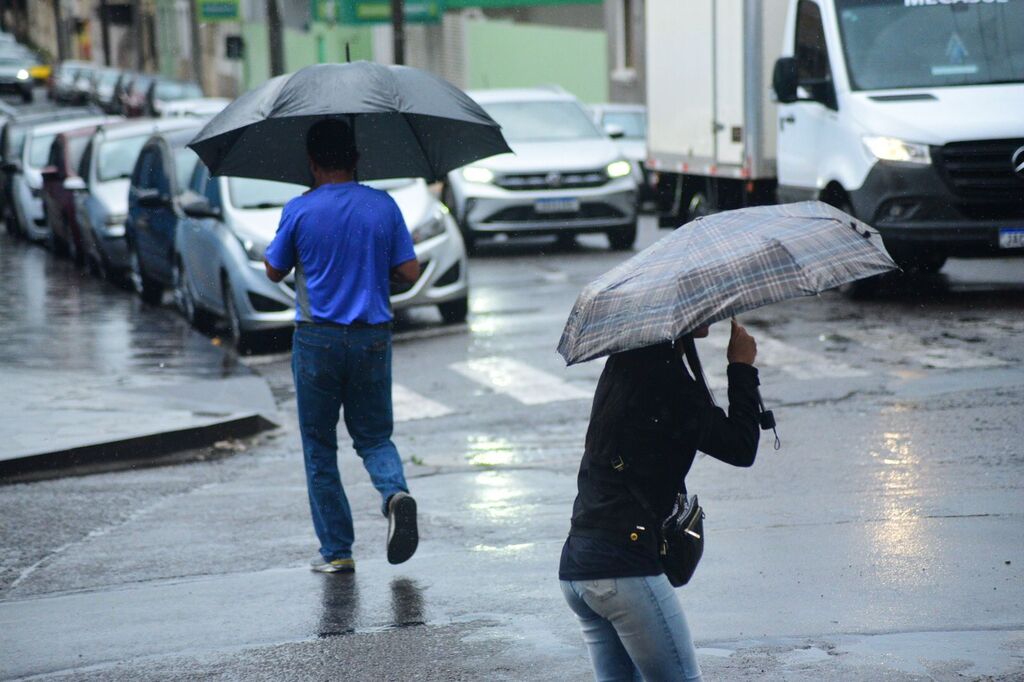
339	605
57	317
407	603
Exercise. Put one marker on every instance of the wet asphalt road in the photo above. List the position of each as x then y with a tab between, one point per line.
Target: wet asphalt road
884	540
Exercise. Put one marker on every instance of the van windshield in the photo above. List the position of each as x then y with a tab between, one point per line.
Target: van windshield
925	44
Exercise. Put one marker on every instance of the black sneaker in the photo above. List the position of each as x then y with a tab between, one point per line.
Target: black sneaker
402	534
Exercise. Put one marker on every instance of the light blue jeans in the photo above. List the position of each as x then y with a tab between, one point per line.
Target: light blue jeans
634	628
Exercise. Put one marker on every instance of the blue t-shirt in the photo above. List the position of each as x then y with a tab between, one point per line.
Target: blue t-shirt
343	240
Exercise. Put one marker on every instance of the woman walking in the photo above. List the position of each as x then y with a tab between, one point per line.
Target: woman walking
649	418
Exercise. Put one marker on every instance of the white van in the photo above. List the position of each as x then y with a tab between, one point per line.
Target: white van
907	113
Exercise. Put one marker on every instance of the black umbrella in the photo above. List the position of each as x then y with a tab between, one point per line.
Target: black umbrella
407	123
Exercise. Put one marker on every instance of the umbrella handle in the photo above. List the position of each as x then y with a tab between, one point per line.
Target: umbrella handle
767	420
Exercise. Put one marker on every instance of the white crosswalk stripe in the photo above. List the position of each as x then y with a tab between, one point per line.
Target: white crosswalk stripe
410	406
797	362
522	382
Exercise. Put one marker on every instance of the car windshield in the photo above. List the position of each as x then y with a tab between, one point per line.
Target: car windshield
116	158
39	152
108	78
250	193
76	147
11	61
633	123
184	165
542	121
919	44
169	90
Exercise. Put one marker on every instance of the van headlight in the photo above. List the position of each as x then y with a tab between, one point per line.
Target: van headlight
478	174
23	74
619	169
893	149
430	228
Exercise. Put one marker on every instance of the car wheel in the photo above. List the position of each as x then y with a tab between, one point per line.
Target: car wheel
622	238
699	206
454	312
149	291
74	253
862	289
232	319
185	298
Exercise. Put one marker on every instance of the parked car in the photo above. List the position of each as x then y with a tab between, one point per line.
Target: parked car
566	176
102	92
202	106
27	178
101	210
164	90
15	77
228	223
61	183
13	128
159	179
82	88
627	125
133	97
62	80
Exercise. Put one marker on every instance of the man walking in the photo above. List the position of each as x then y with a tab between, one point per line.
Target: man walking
345	242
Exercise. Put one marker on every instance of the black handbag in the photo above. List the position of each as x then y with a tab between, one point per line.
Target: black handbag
680	535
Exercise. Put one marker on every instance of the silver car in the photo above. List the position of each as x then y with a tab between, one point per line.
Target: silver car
27	180
566	176
219	245
102	205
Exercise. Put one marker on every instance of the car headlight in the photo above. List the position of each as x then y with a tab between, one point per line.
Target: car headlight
619	169
254	247
478	174
893	149
430	228
23	74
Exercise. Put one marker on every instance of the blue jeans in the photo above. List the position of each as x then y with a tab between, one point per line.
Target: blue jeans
351	367
634	628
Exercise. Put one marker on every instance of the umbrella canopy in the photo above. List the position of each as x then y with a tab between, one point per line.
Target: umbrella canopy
715	267
407	123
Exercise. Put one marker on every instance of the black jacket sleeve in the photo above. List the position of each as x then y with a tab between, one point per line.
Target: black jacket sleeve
733	438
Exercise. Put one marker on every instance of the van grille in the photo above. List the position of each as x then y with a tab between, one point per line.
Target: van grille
981	170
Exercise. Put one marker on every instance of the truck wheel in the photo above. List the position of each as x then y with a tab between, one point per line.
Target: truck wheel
623	238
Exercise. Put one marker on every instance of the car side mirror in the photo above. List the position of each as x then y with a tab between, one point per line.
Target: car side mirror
615	131
75	184
785	79
152	198
199	207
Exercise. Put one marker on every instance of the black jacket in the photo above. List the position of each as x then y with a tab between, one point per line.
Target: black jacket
650	412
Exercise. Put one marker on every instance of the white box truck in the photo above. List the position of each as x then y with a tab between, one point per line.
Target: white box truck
908	114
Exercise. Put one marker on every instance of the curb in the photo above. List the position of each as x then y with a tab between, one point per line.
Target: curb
129	451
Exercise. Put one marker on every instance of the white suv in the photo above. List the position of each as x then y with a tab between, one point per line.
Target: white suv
566	177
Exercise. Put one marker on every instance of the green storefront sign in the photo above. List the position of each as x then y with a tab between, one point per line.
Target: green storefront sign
376	11
218	10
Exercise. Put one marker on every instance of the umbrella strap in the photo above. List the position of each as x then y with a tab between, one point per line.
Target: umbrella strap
767	420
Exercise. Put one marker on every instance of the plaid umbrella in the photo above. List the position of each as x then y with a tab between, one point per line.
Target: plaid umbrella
715	267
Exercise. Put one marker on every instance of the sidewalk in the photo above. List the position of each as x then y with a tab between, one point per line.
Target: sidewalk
61	419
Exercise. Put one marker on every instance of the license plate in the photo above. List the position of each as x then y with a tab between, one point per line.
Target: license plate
1012	238
557	206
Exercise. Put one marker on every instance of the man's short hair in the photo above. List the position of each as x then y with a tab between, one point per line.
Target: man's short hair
331	145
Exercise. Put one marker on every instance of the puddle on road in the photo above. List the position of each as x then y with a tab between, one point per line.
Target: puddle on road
58	317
